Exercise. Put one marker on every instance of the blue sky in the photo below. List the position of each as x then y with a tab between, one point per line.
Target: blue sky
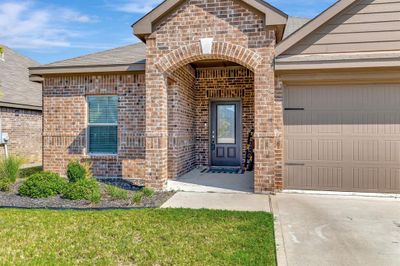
51	30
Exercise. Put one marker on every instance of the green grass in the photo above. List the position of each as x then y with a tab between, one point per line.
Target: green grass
139	237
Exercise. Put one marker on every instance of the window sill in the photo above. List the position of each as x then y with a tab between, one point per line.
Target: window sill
102	155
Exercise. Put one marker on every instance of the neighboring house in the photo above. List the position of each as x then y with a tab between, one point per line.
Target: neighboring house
20	106
324	101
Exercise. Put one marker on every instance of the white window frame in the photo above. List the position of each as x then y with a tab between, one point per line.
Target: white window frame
88	125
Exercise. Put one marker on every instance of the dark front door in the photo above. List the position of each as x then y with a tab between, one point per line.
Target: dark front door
225	134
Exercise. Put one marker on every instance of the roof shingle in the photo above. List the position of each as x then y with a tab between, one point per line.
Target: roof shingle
126	55
15	86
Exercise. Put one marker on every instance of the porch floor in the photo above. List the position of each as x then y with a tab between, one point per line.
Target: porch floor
198	181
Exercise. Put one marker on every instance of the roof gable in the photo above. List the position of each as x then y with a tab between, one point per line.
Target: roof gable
144	26
314	24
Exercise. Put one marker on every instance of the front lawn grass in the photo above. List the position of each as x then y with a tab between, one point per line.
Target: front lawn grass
136	237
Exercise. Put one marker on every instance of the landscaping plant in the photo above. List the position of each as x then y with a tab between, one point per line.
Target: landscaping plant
137	197
75	171
42	185
148	192
10	168
117	193
83	189
4	184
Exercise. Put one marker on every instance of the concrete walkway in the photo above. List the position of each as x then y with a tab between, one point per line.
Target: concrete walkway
198	181
219	201
336	230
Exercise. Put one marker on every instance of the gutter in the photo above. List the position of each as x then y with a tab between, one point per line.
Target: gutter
20	106
136	67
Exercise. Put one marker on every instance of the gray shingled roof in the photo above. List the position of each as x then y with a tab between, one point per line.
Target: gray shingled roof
136	53
16	89
293	24
126	55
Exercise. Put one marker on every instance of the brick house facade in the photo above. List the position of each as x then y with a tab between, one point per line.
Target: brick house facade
164	108
20	107
211	66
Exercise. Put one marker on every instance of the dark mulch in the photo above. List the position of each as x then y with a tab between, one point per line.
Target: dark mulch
12	199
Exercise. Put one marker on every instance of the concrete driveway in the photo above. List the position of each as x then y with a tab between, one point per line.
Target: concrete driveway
337	230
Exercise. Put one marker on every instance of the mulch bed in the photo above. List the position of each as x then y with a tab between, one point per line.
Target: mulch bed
11	199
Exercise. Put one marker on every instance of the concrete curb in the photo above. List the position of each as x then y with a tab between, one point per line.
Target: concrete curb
279	240
344	194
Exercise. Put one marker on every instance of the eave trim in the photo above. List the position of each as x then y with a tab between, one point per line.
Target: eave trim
87	69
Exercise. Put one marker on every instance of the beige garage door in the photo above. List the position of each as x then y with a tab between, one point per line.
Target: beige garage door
342	138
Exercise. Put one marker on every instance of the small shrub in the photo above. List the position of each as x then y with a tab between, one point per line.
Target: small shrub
10	168
83	189
88	169
42	185
148	192
4	184
27	172
117	193
75	171
137	197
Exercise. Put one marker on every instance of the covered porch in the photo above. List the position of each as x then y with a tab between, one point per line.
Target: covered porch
210	116
203	179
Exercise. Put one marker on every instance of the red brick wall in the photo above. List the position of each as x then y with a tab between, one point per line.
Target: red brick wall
65	122
181	122
239	35
225	20
24	128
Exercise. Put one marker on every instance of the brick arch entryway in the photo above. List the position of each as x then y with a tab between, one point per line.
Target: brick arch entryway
162	71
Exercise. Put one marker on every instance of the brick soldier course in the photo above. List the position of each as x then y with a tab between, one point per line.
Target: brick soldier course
163	119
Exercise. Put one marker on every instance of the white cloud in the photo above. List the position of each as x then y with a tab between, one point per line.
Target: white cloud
24	24
74	16
135	6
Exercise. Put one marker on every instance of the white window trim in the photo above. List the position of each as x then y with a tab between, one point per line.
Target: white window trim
88	125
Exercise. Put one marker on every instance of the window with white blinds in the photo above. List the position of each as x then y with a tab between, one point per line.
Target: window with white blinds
103	124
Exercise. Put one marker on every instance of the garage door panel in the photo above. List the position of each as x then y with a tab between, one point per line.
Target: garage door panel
327	122
391	180
363	122
346	178
389	123
298	122
299	149
365	150
329	150
314	177
365	178
392	151
292	172
346	138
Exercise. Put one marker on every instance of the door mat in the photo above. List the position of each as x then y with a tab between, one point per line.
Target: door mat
223	170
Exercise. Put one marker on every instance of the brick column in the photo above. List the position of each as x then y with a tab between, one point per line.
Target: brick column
264	124
156	122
